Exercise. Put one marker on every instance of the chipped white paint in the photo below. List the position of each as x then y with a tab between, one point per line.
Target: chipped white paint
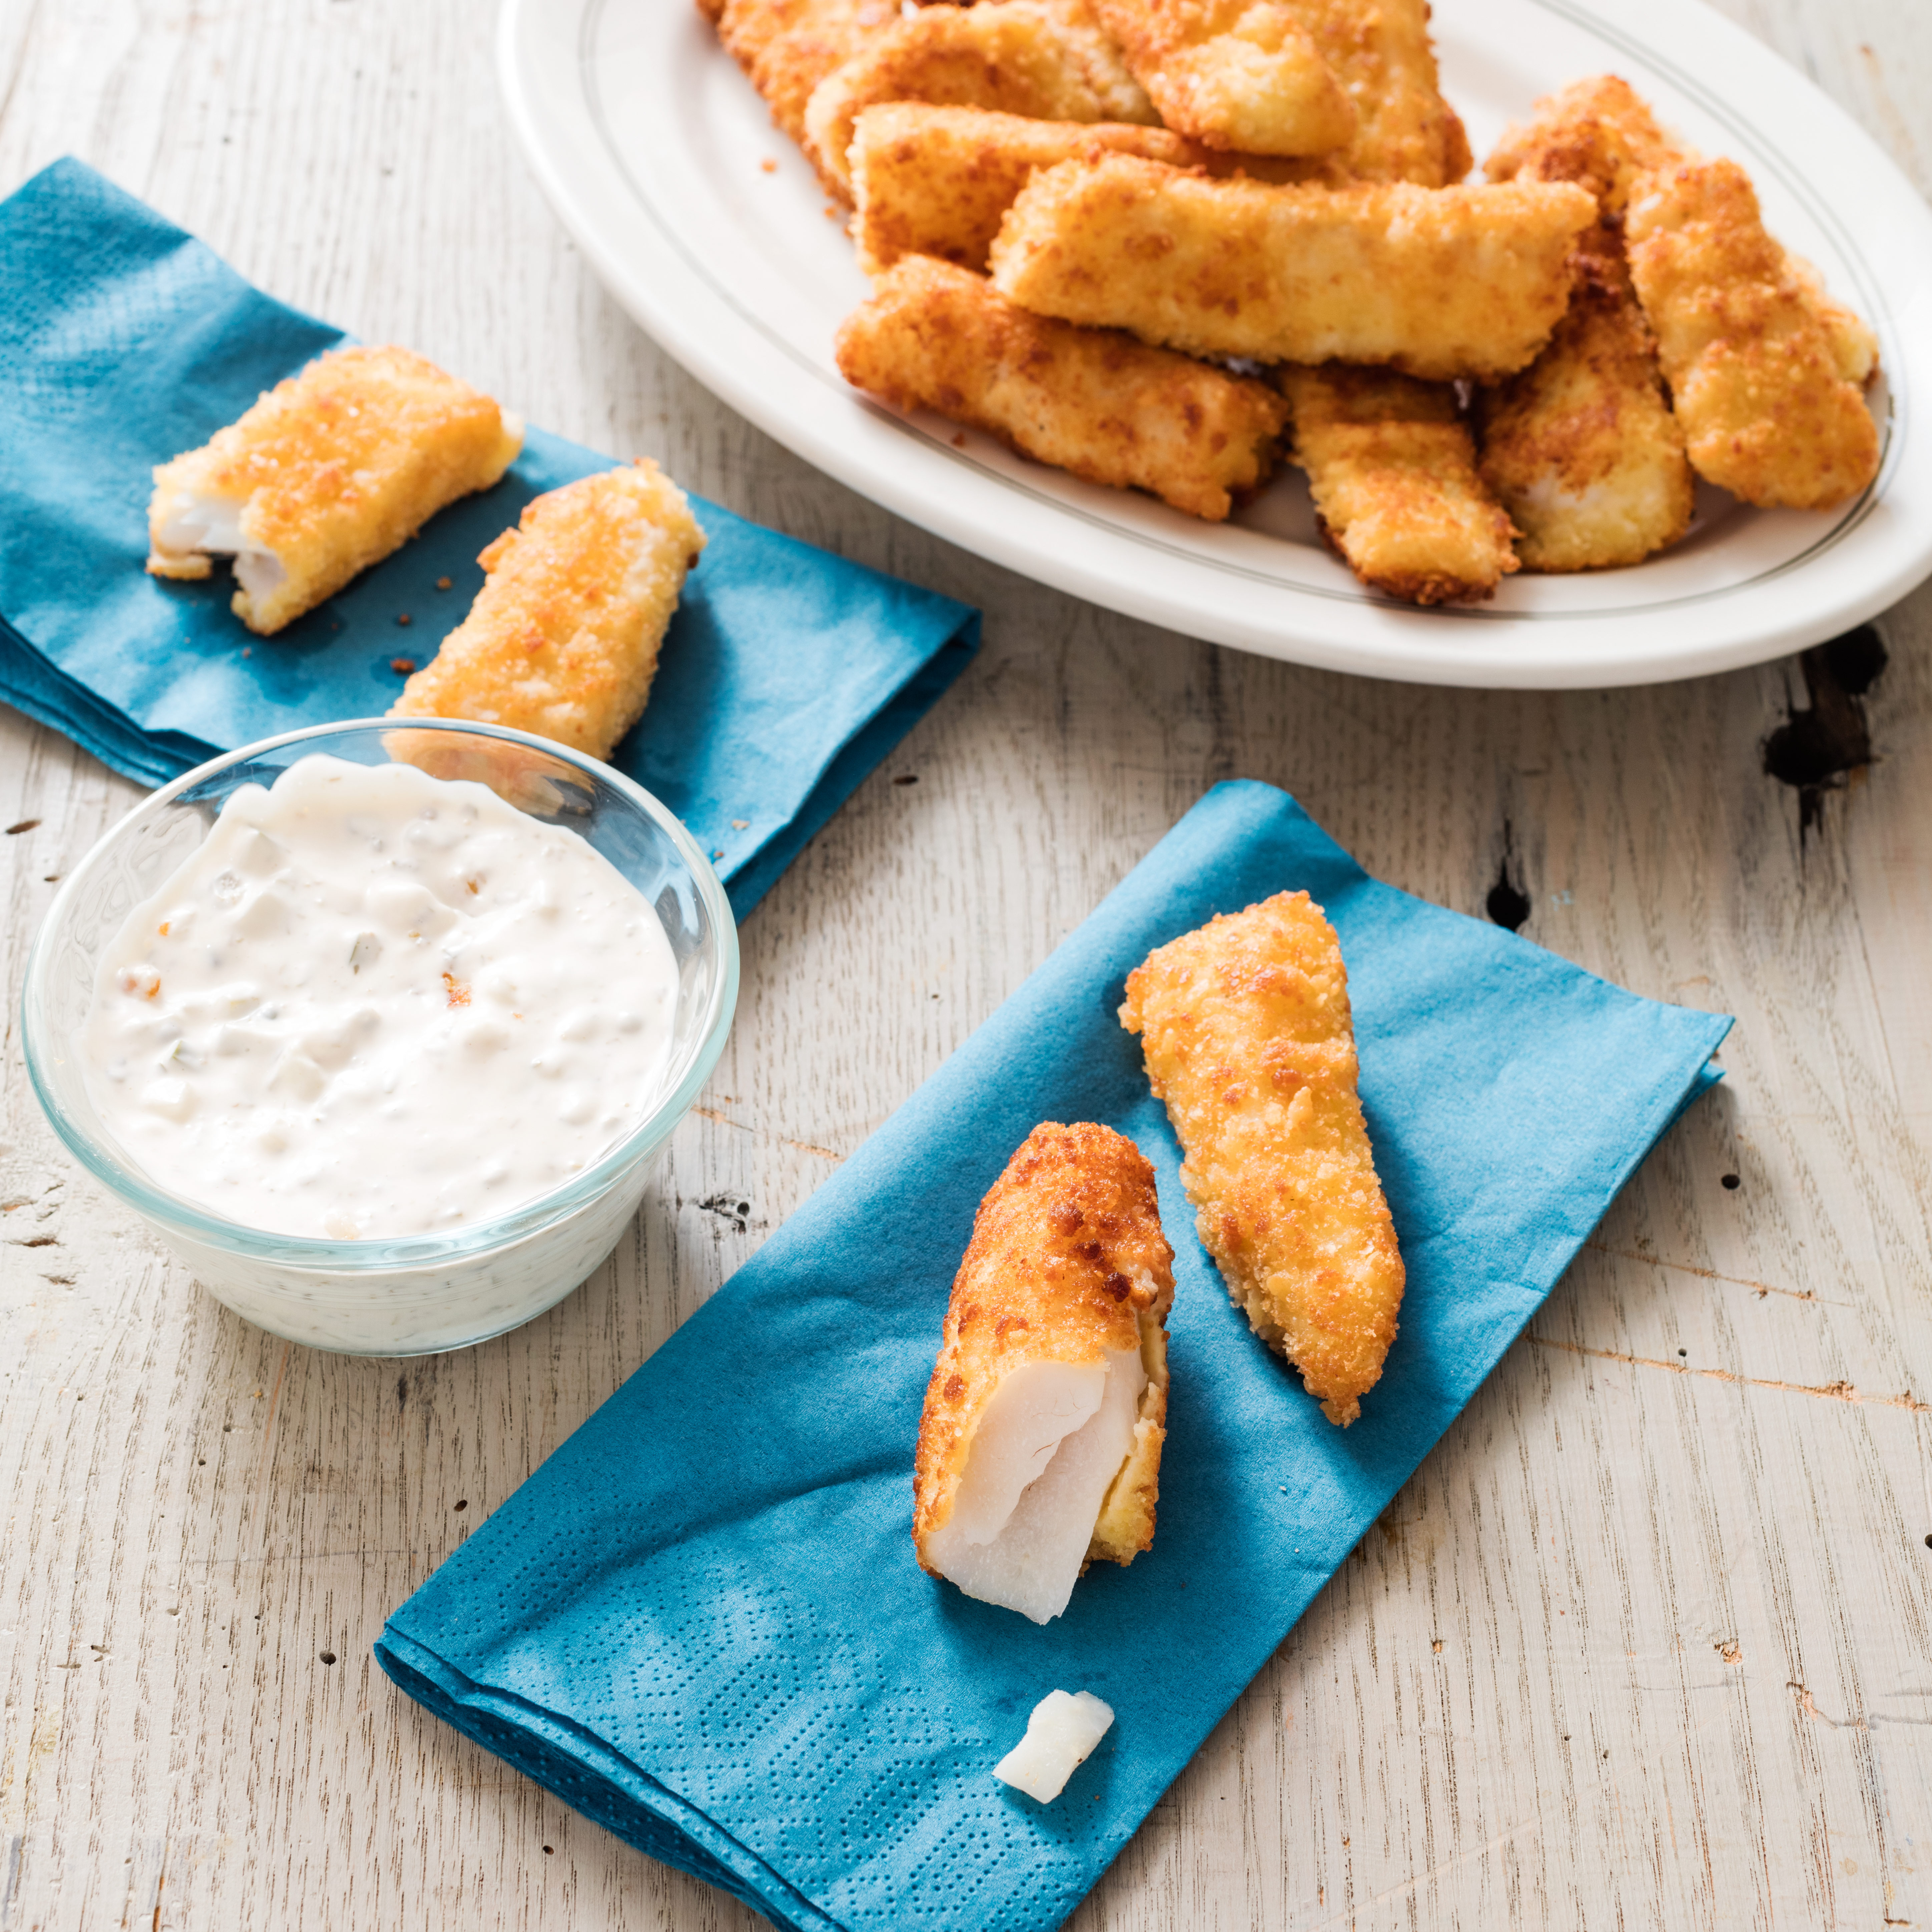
1648	1639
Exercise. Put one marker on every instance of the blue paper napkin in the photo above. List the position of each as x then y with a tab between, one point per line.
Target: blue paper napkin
788	674
700	1622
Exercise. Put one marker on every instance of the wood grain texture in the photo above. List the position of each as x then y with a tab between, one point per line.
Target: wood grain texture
1648	1638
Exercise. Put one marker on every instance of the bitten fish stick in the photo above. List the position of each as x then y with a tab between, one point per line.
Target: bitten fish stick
1581	446
1091	401
1040	1444
1757	376
936	181
1440	283
1233	73
1393	471
1047	59
1246	1027
562	639
328	473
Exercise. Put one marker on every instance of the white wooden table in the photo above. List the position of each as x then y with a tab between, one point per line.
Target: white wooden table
1648	1639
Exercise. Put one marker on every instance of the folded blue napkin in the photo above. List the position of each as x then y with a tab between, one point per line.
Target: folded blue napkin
788	674
700	1622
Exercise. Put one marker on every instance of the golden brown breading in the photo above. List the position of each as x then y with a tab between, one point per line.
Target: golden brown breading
1092	401
1047	59
931	180
1067	1264
1392	472
936	181
1600	134
1246	1030
1755	373
1582	446
710	9
1854	341
788	46
1381	51
1440	283
562	639
325	475
1237	74
1597	132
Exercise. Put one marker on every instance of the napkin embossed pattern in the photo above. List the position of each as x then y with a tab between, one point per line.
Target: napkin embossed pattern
788	674
700	1622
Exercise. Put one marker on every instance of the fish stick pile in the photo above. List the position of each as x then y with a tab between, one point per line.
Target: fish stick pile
1165	244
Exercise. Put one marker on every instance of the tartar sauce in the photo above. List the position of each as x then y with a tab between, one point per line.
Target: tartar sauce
372	1003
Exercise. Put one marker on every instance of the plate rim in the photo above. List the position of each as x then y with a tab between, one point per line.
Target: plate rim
919	474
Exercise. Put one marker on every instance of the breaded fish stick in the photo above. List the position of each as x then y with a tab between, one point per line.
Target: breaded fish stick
1381	51
1091	401
1599	133
562	639
1440	283
1047	59
328	473
1242	74
936	181
1853	340
1757	377
1246	1027
1040	1445
1581	447
787	47
1392	472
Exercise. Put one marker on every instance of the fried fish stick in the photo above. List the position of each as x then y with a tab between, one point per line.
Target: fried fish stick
1091	401
326	474
1040	1445
1853	340
1241	74
1440	283
1047	59
787	47
936	181
1756	375
1393	471
1246	1028
562	639
1381	51
1582	446
1599	134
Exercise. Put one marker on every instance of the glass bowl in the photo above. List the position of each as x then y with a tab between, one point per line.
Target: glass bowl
417	1295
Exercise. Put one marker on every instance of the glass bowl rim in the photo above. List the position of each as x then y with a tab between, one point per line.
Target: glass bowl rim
388	1254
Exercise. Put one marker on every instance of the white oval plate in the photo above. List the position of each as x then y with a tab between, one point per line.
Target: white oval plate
656	154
